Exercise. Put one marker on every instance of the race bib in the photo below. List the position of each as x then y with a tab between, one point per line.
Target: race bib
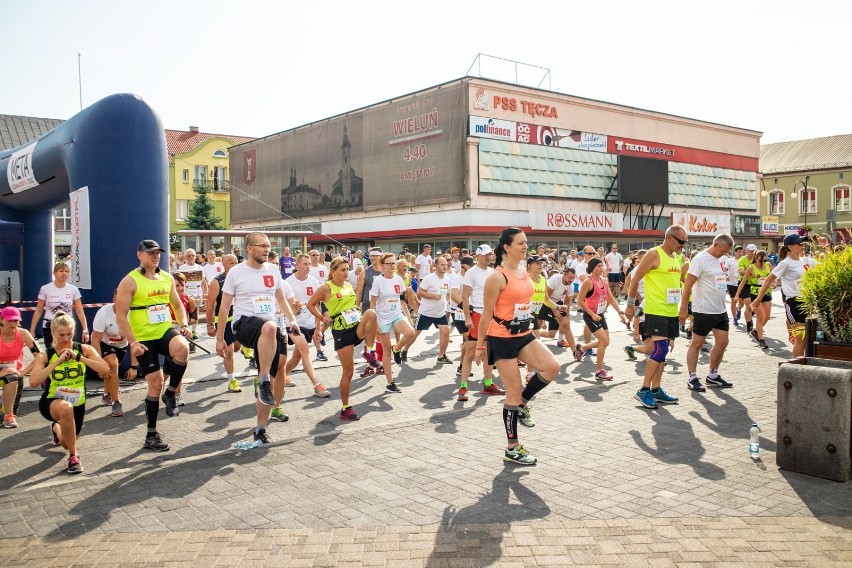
71	394
722	283
523	311
393	305
601	307
761	281
159	314
673	295
459	316
193	291
350	316
536	306
263	305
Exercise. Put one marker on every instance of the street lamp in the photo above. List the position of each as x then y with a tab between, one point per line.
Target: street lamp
763	192
794	194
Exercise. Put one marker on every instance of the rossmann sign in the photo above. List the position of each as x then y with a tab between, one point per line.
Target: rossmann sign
576	221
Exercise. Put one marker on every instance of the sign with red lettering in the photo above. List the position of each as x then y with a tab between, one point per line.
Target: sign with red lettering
576	221
646	149
700	224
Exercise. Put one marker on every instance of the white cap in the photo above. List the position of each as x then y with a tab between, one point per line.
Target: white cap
751	247
484	249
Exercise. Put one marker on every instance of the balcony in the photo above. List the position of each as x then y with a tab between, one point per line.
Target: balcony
215	185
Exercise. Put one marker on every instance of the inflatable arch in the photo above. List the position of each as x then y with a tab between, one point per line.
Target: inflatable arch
110	161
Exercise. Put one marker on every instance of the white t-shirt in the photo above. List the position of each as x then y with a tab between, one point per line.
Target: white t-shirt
253	290
211	271
302	291
455	266
456	282
387	292
560	289
58	299
193	287
475	279
614	261
435	285
354	264
791	272
580	269
320	272
733	271
425	266
106	323
710	291
280	319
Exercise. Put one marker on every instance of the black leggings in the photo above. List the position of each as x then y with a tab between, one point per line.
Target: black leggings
79	412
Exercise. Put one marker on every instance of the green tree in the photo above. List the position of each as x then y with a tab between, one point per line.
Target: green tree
200	215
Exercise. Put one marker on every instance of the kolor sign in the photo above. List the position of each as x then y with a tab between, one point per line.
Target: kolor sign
698	224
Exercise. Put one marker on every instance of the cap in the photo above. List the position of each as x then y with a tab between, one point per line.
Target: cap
484	249
794	239
534	258
375	251
455	249
593	264
149	245
10	313
467	261
754	247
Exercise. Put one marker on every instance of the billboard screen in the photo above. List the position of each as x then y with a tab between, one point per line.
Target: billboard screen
405	151
643	180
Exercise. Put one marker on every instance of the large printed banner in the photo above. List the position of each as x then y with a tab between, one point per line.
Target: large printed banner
524	132
81	249
700	224
581	221
397	153
769	226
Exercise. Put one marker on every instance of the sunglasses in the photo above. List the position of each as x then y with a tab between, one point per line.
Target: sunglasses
682	242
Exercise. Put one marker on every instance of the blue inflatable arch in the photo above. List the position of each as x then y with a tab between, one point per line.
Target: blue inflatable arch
115	148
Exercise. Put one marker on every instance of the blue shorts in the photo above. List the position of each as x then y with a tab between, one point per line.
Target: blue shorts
388	327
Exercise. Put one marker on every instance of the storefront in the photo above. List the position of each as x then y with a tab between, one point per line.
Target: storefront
455	164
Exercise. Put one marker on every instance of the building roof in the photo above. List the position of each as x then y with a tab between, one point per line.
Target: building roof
18	130
830	152
183	141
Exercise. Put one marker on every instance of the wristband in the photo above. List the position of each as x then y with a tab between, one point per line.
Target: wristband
480	348
631	302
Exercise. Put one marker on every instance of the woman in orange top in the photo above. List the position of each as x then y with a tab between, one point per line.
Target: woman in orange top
507	323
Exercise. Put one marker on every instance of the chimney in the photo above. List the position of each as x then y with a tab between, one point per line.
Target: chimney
193	129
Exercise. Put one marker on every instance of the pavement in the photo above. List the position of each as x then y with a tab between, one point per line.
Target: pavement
420	480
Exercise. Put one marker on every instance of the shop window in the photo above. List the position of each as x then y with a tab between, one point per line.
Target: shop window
842	200
776	202
807	201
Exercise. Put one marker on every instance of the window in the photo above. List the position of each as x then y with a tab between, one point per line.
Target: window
807	201
776	202
201	174
220	154
220	178
62	219
181	207
842	200
185	176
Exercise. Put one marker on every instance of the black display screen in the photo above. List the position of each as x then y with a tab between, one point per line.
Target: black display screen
643	180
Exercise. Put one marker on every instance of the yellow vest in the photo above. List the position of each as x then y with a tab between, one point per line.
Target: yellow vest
150	295
660	284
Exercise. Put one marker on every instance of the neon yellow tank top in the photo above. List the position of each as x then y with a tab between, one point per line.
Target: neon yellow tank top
342	299
149	310
662	286
67	381
539	291
757	277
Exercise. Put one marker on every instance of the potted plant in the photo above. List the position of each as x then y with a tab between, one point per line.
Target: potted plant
827	295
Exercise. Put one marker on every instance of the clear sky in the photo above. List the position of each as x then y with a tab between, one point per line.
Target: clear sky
254	68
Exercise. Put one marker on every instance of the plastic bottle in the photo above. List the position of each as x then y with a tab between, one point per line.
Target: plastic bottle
242	445
754	442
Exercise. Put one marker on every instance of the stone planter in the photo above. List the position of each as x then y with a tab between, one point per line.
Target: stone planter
823	349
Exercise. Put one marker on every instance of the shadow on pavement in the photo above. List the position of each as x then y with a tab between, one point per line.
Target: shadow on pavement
476	532
730	418
830	501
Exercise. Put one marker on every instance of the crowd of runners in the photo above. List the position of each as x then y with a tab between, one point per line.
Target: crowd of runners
503	303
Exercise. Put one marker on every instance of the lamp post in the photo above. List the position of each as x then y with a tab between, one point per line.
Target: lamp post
803	206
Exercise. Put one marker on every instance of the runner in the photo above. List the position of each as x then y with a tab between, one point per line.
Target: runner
559	293
434	292
111	346
195	283
58	296
754	277
287	264
745	296
319	271
255	289
365	279
473	290
707	285
142	312
615	275
384	300
457	283
348	327
661	270
732	263
12	369
211	309
594	298
209	271
423	263
61	372
506	325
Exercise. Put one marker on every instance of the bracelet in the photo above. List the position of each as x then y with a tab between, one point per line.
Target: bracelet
480	348
631	302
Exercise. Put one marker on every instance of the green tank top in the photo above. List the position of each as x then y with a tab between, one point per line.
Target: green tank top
341	306
663	287
539	291
68	380
149	309
757	278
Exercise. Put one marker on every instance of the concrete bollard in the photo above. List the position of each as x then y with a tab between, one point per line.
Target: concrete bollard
815	418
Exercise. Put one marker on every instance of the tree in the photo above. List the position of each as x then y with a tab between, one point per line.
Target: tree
200	215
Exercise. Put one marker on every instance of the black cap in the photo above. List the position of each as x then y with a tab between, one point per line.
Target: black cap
149	245
534	258
467	261
593	264
794	239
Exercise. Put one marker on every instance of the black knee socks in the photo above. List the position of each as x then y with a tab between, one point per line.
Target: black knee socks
177	371
510	421
535	385
152	407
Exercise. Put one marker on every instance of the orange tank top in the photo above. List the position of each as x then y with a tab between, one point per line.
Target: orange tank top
515	301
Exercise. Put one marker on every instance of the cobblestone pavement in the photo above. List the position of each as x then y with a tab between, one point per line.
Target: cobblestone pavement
419	481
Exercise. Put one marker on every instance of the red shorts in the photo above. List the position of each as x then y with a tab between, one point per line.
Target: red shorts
473	332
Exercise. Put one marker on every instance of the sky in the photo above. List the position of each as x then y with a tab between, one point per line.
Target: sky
254	68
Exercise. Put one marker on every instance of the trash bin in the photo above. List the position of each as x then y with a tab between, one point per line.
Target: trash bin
815	417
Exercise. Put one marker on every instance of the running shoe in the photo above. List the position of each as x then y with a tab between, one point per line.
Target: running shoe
602	375
252	364
405	356
322	341
262	437
397	357
393	388
631	353
736	321
264	393
247	352
749	326
348	413
445	360
192	347
458	370
289	383
74	465
106	399
234	386
689	334
695	385
321	356
194	336
525	418
372	359
492	389
368	372
578	353
762	344
278	414
170	401
9	421
321	391
154	441
627	325
563	343
718	382
753	334
662	396
645	398
117	409
590	353
518	455
462	395
180	401
54	439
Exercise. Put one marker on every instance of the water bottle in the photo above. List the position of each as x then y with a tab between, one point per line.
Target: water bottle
754	442
243	445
